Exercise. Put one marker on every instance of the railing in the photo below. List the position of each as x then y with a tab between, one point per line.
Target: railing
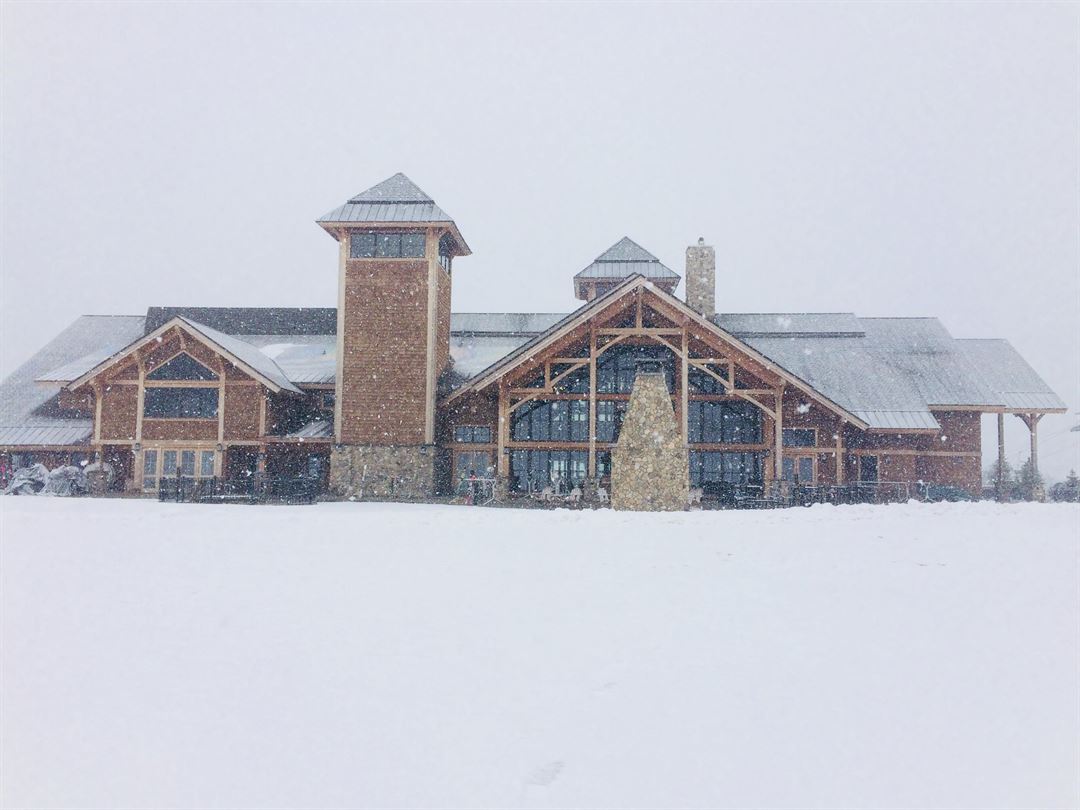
251	489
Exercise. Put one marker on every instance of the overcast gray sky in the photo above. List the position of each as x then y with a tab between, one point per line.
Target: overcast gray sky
890	159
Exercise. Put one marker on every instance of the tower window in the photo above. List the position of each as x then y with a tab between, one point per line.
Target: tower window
386	245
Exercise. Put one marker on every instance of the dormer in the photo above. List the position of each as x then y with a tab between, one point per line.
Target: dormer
620	261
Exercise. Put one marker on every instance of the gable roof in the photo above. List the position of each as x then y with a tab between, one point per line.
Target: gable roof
242	354
28	416
583	313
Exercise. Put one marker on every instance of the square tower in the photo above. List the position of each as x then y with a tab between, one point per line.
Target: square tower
393	337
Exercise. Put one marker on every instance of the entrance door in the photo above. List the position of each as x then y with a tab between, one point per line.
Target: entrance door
799	469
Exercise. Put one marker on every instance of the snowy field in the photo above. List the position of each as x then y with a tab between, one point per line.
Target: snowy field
348	656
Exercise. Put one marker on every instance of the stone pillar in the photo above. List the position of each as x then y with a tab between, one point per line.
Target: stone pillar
701	278
383	473
650	468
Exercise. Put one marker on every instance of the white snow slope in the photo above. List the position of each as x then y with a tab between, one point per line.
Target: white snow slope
349	656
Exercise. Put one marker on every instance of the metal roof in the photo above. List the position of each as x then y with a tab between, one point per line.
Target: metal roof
305	359
625	258
503	323
316	429
1000	368
761	324
396	199
251	320
28	412
246	353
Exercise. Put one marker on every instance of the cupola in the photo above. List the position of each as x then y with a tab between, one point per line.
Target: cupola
620	261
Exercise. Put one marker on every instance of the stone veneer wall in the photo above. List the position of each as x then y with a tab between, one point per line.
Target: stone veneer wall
392	473
650	469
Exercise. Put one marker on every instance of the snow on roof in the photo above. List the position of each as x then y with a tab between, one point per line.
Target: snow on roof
625	258
744	324
246	353
28	413
503	323
305	359
396	199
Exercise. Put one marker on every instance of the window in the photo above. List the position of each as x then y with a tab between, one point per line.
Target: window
799	469
532	470
603	463
800	437
180	403
558	421
150	461
182	367
446	247
386	245
720	467
474	434
616	368
702	383
609	419
724	423
474	463
184	462
868	469
327	400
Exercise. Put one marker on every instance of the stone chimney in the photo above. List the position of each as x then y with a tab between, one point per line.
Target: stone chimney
701	278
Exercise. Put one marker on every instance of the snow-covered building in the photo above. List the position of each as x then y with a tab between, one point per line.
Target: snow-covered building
393	394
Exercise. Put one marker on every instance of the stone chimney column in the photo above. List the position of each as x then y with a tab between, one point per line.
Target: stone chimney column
701	278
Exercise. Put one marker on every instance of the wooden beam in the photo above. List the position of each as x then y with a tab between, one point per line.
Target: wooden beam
840	455
778	437
1000	477
502	465
684	382
592	403
634	330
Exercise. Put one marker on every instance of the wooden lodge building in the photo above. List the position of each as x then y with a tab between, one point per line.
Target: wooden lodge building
392	395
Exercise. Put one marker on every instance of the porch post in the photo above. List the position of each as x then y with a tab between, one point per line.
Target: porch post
502	462
840	455
999	483
778	437
592	403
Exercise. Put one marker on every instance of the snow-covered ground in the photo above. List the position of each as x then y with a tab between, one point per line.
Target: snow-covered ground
349	655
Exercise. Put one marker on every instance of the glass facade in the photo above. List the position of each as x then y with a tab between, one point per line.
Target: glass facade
558	421
723	423
532	470
617	367
180	403
386	245
723	467
472	434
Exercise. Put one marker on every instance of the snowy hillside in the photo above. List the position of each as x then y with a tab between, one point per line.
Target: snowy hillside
351	655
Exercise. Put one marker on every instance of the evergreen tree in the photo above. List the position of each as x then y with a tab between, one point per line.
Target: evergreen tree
1067	490
1008	482
1030	483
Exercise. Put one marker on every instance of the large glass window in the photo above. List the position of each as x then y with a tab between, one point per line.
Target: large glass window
558	421
724	422
609	419
182	367
474	434
721	467
617	367
702	383
386	245
180	403
800	437
532	470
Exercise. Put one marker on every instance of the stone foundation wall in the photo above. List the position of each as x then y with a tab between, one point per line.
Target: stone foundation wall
650	470
385	473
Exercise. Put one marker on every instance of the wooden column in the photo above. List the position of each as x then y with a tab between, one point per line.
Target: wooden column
592	402
684	401
999	483
840	455
778	438
502	463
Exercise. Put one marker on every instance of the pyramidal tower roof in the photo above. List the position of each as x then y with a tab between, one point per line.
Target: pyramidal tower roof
625	258
396	189
395	199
